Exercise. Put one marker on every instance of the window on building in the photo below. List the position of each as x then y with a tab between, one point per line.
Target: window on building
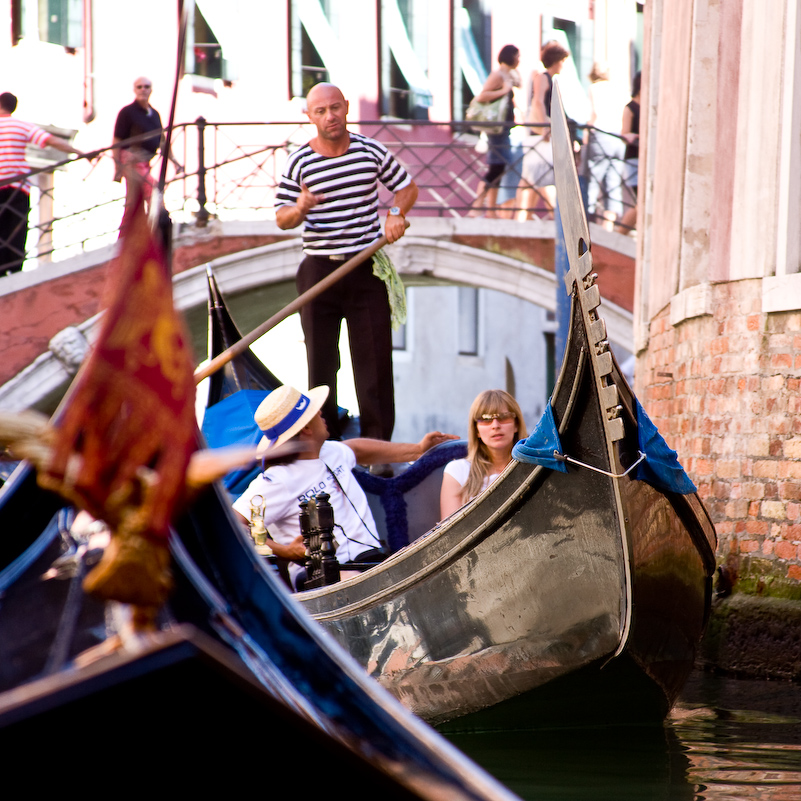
480	15
472	52
636	45
397	93
57	21
402	336
405	88
312	68
782	291
16	22
550	361
468	321
313	45
399	338
571	34
204	48
206	53
64	22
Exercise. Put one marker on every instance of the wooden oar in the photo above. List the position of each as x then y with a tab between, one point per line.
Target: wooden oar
204	371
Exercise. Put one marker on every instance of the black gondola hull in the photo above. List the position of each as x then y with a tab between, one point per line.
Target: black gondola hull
544	576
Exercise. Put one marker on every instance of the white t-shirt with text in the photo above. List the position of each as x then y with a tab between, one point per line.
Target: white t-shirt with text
283	487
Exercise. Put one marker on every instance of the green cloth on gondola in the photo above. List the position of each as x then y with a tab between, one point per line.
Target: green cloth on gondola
384	269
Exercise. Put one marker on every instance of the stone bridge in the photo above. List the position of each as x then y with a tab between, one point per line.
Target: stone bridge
255	265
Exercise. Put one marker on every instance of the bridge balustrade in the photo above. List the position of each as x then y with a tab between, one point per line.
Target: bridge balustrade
232	171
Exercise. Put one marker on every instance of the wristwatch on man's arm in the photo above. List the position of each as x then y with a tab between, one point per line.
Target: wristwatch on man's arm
396	212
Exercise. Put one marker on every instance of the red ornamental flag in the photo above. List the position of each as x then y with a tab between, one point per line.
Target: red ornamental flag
127	429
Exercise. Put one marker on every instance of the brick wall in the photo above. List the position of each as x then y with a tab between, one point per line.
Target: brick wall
724	391
34	314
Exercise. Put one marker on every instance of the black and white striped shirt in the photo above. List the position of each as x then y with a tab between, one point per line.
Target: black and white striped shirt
347	219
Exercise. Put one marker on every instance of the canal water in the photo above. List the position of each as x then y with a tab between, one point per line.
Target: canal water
726	740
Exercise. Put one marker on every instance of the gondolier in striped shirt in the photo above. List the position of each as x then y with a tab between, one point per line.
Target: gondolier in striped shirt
331	187
15	201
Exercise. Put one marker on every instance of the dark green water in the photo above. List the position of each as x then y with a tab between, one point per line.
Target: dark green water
726	740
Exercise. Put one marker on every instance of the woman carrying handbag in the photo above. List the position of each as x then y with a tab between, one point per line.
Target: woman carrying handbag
500	83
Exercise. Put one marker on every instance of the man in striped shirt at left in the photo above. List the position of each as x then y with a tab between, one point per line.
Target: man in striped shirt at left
15	201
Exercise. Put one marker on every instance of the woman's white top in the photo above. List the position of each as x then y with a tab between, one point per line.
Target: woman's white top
460	470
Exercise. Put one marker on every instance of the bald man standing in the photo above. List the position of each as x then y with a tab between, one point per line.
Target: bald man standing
330	186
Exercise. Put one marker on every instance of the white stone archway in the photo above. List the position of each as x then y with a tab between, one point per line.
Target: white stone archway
436	258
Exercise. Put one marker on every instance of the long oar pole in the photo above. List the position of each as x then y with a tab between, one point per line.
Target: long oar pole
204	371
166	145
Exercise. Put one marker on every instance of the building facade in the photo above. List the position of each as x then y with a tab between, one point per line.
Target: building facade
73	63
718	297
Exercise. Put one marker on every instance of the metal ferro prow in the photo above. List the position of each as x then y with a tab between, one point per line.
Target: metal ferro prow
580	279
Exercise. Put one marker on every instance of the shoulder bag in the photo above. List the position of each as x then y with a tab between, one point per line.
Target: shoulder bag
488	112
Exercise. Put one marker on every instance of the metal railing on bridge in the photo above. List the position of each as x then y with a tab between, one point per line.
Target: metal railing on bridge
232	171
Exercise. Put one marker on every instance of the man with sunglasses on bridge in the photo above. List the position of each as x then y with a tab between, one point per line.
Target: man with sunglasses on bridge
135	120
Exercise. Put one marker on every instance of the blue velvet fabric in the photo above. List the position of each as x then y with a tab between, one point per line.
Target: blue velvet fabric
661	468
230	422
391	490
541	444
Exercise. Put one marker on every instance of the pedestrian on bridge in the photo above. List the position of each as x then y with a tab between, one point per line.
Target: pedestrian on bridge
538	174
136	120
330	186
15	202
604	148
499	84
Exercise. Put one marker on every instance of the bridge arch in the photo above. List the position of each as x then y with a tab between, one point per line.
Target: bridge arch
262	278
419	259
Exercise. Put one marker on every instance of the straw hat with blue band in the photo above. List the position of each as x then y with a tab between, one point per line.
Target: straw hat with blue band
284	412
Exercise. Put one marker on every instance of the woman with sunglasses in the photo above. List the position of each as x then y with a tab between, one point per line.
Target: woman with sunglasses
496	423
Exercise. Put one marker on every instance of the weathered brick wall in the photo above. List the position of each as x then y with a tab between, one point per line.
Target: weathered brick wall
31	316
724	391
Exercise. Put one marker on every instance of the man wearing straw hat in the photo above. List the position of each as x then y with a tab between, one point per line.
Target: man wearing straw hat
324	466
330	186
